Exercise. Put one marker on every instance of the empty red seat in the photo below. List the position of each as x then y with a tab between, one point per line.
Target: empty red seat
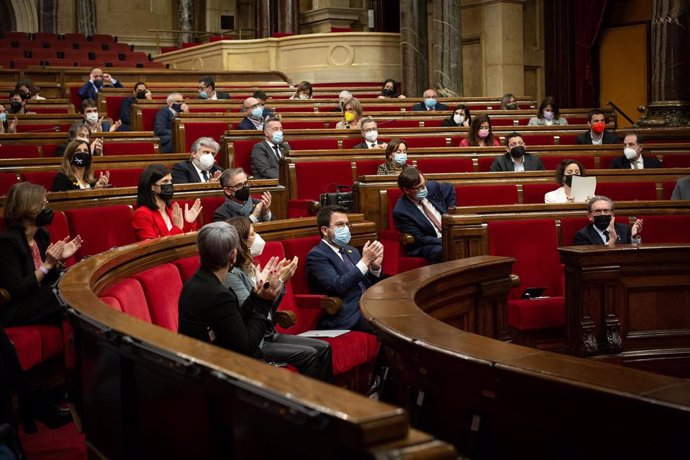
668	185
552	162
130	295
317	177
570	226
129	148
187	267
534	193
368	167
195	130
19	151
162	286
676	160
125	177
101	228
314	144
36	343
484	163
480	195
447	164
628	191
7	180
44	178
416	142
666	229
210	204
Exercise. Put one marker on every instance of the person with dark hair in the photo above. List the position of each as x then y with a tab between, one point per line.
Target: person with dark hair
201	166
96	123
633	157
80	130
239	202
141	93
604	229
311	357
461	117
548	114
303	91
396	158
597	133
370	133
480	134
564	177
516	157
266	155
6	127
210	312
419	212
207	90
334	268
155	214
28	90
389	90
76	171
430	102
97	80
18	104
508	102
260	95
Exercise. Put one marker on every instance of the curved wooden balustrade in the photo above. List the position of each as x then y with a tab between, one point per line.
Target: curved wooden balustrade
147	392
492	399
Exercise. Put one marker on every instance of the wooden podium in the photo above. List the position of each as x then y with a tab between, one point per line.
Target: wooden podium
630	304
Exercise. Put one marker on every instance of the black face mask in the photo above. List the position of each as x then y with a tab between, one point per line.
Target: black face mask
512	106
98	83
602	222
167	192
141	94
243	193
517	152
25	96
569	180
15	106
81	159
388	92
45	217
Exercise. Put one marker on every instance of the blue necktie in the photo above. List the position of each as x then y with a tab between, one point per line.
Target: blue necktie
348	263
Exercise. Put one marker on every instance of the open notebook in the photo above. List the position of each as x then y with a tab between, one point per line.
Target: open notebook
330	333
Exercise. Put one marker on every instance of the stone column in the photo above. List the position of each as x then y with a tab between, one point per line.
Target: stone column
263	19
48	21
670	104
447	47
184	20
502	46
86	17
414	54
288	16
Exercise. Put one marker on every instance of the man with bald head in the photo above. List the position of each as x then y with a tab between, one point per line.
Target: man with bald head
255	114
97	80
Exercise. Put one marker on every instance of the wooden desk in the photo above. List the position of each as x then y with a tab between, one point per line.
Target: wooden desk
629	304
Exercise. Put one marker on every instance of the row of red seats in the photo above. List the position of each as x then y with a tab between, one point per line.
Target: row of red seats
51	37
125	177
48	150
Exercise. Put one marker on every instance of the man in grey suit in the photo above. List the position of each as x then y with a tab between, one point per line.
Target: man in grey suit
238	199
266	155
682	189
516	158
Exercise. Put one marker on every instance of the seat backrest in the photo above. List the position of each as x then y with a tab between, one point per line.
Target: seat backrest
19	151
300	247
552	162
44	178
442	165
101	228
424	141
627	191
480	195
162	286
534	193
314	144
484	163
195	130
209	205
317	177
677	160
187	267
125	177
669	186
243	152
129	148
7	180
569	227
666	229
368	167
130	295
533	243
393	195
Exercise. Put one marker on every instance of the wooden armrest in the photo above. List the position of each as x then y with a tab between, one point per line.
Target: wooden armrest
514	280
406	239
285	319
332	305
5	297
314	207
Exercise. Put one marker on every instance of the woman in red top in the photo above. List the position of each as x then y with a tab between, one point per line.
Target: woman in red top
480	134
155	215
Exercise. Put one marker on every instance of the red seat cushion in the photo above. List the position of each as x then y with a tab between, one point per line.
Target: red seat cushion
311	180
666	229
627	191
314	144
130	295
415	142
162	303
529	314
129	148
300	247
569	227
7	180
19	151
242	154
442	165
351	350
125	177
534	193
479	195
209	205
187	266
101	228
677	160
368	167
44	178
36	343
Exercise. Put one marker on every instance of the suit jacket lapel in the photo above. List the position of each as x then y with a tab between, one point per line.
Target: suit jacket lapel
413	210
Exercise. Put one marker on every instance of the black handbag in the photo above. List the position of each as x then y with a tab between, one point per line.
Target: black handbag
341	197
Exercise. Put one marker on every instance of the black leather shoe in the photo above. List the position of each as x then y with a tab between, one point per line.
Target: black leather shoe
52	416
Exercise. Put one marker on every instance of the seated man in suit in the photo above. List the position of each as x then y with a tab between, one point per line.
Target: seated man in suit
165	120
604	229
97	80
141	92
370	133
266	155
336	269
682	189
632	155
419	211
430	102
201	166
516	158
238	201
255	114
207	90
597	133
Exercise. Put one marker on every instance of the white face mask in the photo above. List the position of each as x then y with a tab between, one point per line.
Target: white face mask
371	136
458	119
257	246
206	162
303	96
630	153
92	117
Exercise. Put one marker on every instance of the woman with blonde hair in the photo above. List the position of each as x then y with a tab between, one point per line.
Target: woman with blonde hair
352	115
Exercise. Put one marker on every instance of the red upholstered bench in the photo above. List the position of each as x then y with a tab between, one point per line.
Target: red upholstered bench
193	130
676	160
442	165
368	167
314	178
101	228
129	148
36	343
396	260
533	243
484	163
627	191
44	178
19	151
242	154
125	177
534	193
669	185
552	162
423	141
7	180
480	195
666	229
313	144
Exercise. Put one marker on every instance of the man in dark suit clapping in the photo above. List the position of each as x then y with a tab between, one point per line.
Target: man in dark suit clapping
201	166
604	229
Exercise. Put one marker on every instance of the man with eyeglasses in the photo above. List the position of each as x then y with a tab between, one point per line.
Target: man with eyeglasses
334	268
165	119
604	229
255	114
207	90
516	158
238	201
419	212
370	133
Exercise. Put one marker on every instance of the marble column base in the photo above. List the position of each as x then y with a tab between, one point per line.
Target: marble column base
665	113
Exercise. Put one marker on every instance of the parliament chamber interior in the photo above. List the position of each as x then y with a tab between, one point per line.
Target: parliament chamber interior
476	213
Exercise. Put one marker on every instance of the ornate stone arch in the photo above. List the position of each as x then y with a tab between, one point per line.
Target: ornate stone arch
25	15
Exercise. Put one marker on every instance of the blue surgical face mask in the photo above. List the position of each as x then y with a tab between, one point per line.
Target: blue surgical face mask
277	137
430	102
203	95
3	117
400	158
341	236
421	194
257	112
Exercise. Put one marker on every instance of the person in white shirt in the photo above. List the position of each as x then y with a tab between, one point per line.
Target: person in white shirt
370	133
564	177
632	155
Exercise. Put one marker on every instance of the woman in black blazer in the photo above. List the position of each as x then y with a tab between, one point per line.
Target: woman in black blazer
76	171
